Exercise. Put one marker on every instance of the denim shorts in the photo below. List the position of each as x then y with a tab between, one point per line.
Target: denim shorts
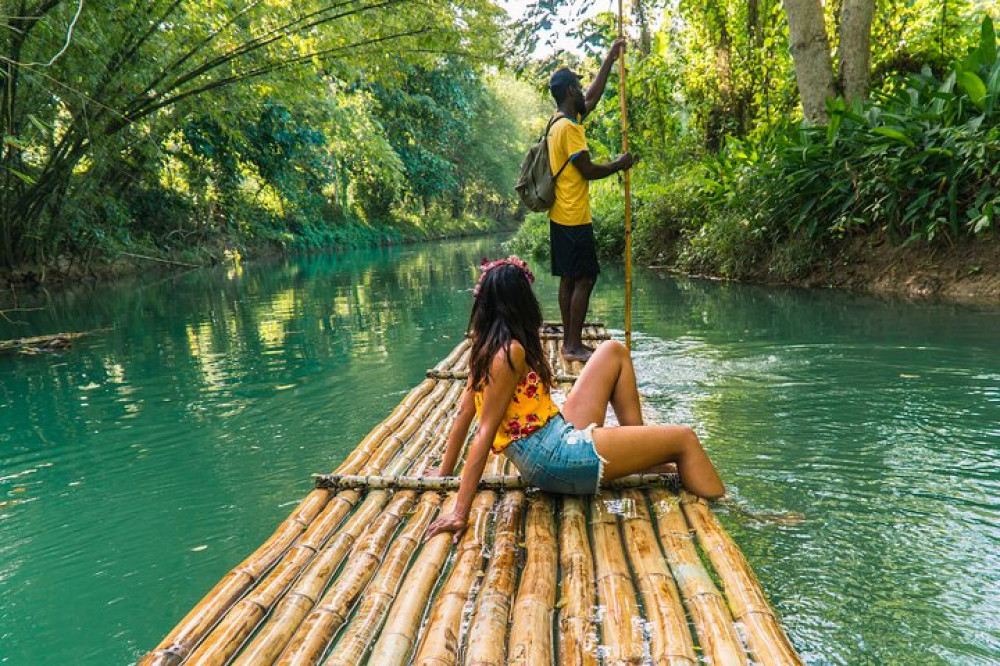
558	458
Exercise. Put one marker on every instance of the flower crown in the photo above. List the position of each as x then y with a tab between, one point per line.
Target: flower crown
486	266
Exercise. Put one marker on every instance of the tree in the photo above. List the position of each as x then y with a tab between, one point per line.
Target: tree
855	47
811	53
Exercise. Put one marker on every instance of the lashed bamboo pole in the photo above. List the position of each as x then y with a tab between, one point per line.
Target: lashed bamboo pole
396	640
552	350
588	333
487	482
407	426
705	604
530	639
300	599
178	644
416	399
437	421
439	643
453	357
622	640
488	631
227	637
577	633
350	650
670	638
747	601
586	324
462	375
312	638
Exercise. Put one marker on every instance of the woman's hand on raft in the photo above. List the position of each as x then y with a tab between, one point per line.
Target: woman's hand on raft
453	522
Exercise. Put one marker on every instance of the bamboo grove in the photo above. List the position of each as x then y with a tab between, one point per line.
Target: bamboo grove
169	123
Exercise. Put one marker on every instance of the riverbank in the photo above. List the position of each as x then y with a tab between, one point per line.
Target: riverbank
144	259
964	272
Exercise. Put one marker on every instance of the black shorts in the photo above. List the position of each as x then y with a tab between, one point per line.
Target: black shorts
574	253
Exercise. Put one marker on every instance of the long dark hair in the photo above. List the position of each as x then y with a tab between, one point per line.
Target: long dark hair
505	310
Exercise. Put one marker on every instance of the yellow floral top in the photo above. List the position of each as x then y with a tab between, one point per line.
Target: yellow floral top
529	410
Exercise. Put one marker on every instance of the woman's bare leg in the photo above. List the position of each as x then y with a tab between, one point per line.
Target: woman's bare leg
631	449
607	378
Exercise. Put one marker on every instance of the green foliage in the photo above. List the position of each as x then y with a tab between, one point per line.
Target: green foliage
172	123
920	161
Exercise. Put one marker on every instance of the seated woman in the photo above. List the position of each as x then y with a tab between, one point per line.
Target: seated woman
567	452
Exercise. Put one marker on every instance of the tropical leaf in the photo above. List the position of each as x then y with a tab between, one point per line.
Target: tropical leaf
894	134
974	88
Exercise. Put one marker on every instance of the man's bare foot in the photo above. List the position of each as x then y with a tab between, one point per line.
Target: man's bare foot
582	354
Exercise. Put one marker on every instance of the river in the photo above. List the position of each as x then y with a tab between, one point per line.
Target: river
140	466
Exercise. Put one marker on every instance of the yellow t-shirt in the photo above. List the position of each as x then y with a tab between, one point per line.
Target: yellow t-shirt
572	205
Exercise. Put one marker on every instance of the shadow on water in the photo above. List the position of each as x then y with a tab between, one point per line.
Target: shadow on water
139	467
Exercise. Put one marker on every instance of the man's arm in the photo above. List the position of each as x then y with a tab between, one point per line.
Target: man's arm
592	171
596	89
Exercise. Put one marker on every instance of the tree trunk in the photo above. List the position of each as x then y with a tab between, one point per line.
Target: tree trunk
645	40
855	47
811	54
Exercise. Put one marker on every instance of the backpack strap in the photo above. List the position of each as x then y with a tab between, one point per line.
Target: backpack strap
546	136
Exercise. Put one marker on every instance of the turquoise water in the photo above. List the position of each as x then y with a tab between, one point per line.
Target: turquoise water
137	468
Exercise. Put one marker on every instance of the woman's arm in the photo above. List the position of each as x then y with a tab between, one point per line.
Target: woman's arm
496	399
459	431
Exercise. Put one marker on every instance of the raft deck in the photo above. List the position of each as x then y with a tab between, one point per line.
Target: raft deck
641	575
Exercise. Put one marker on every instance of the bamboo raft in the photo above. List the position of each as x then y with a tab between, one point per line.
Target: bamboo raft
638	574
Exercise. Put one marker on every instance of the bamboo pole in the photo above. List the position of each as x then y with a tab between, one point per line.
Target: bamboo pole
227	637
440	642
454	356
713	624
530	638
488	630
586	324
628	183
747	601
177	645
396	640
552	349
314	634
670	638
298	601
577	633
456	375
350	650
360	455
487	482
622	640
385	459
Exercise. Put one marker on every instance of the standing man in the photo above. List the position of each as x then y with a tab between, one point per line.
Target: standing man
571	232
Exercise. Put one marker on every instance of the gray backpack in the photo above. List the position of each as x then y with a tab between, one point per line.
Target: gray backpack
536	185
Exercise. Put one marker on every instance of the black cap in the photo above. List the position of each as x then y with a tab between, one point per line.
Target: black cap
562	78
